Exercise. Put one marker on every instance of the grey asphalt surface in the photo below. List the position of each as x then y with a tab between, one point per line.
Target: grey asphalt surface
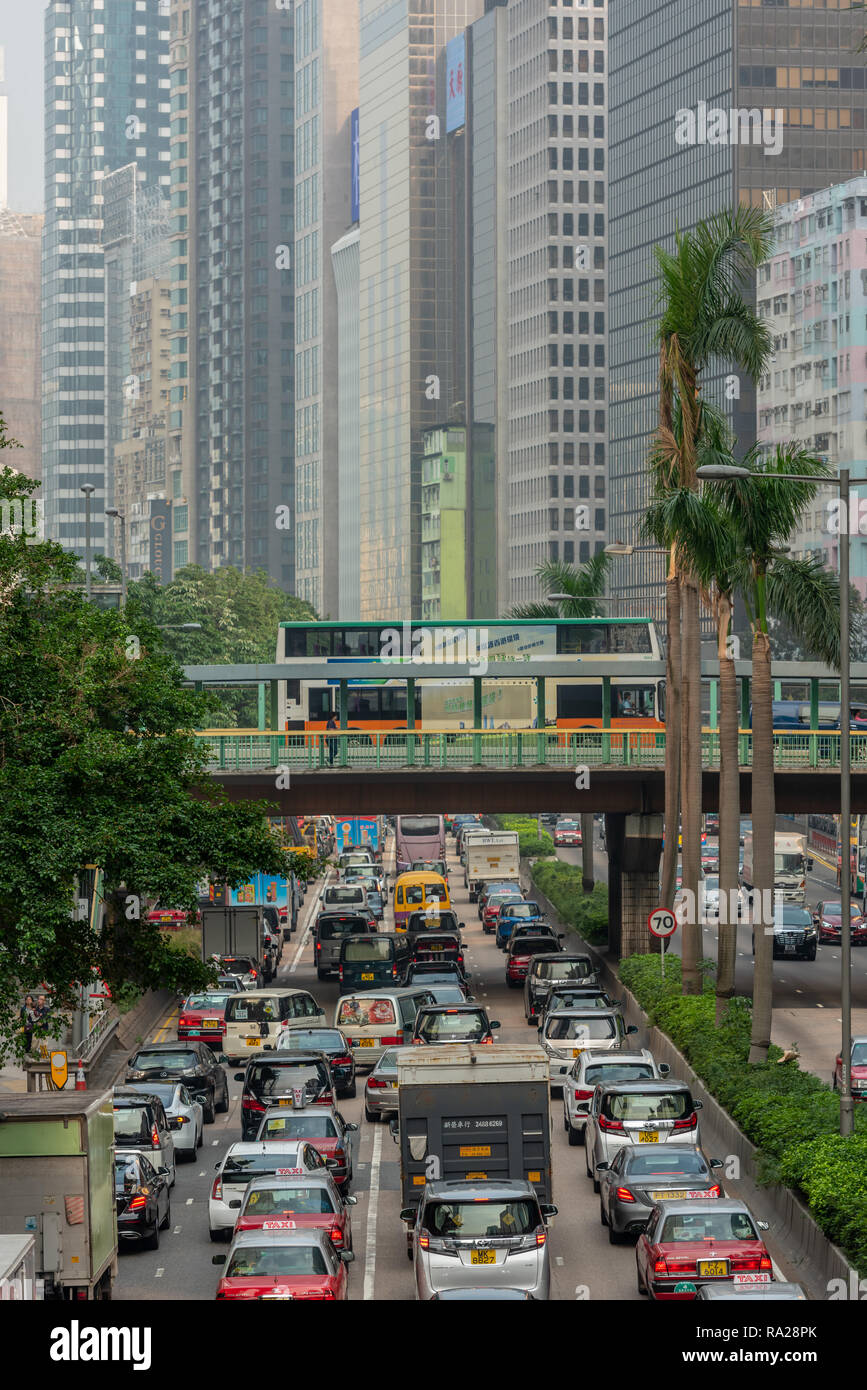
584	1264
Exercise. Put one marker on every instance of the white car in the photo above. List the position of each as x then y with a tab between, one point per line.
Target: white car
184	1114
593	1068
566	1033
244	1161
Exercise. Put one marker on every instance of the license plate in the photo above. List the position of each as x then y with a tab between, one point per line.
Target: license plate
436	948
648	1136
211	1023
368	975
790	950
713	1268
252	1042
476	1175
483	1257
365	1042
475	1151
681	1195
576	1051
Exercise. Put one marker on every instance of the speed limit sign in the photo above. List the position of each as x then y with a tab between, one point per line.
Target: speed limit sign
662	922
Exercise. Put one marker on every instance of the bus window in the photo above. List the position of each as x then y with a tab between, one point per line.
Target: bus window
579	701
319	702
574	640
630	701
630	638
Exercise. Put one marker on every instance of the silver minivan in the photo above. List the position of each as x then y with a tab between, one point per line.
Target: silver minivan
626	1113
566	1033
376	1019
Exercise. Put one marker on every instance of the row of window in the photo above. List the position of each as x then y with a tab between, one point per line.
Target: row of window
569	519
582	94
568	382
564	60
568	125
567	28
568	458
565	157
569	422
565	289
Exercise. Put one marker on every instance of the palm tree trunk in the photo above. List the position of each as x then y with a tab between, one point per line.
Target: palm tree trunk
672	737
690	781
587	871
764	816
729	813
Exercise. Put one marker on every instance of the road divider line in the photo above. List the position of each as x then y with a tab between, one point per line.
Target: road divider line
370	1245
305	933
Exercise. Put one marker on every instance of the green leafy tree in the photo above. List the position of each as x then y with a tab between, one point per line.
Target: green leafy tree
99	766
583	583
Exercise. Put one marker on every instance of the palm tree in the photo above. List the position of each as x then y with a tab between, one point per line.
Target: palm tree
807	597
705	317
583	584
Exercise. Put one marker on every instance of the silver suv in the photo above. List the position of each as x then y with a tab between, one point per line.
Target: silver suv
639	1112
594	1069
488	1234
567	1033
330	932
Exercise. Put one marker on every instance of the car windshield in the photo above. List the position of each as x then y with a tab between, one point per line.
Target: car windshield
239	1168
562	969
463	1024
331	927
792	917
253	1261
618	1071
361	951
344	895
132	1125
164	1061
558	1028
535	945
788	863
474	1219
566	825
665	1165
859	1054
244	1009
433	917
447	994
431	971
290	1200
164	1091
127	1175
836	909
523	910
708	1226
365	1012
424	892
586	1001
315	1039
291	1126
236	965
265	1079
671	1106
206	1001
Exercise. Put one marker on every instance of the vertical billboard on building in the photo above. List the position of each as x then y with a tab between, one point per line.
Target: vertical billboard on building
456	96
356	176
160	541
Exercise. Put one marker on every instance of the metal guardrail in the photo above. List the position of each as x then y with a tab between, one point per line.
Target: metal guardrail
95	1042
503	749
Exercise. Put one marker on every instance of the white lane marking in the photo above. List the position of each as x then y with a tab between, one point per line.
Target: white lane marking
202	1174
215	1143
558	1259
190	1200
820	1006
158	1273
305	936
176	1231
370	1246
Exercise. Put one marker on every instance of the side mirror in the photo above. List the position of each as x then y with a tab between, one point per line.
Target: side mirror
350	1201
697	1104
664	1069
163	1172
809	866
239	1076
395	1130
602	1167
716	1163
346	1256
331	1163
223	1058
408	1214
218	1259
547	1209
494	1024
763	1225
351	1127
235	1204
632	1028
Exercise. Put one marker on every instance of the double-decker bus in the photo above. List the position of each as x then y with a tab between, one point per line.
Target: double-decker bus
380	702
418	837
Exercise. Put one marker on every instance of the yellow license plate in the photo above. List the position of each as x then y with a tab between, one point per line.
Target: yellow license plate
708	1268
476	1175
476	1151
365	1042
648	1136
576	1051
534	1177
483	1257
418	1182
435	947
253	1042
210	1023
669	1196
368	976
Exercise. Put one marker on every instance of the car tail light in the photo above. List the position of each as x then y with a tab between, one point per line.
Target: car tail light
340	1155
155	1137
624	1194
217	1190
375	1084
340	968
327	1098
250	1103
391	1042
679	1266
341	1061
394	972
255	974
583	1095
137	1203
606	1124
765	1263
319	945
185	1022
486	1040
660	1267
424	1242
689	1123
541	1237
715	1191
336	1236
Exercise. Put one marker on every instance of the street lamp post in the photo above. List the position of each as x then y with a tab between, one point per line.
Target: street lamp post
119	516
725	473
88	489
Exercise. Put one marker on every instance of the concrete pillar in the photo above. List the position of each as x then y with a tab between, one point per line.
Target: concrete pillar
634	845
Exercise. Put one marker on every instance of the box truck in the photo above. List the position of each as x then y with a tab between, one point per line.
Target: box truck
791	863
493	856
236	931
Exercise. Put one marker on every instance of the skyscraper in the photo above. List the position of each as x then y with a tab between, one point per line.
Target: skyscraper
106	103
406	365
233	295
711	103
345	259
20	356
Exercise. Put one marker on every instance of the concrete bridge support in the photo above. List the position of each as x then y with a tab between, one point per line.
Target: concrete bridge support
634	846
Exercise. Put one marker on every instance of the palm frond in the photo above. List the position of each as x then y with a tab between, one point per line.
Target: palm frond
807	598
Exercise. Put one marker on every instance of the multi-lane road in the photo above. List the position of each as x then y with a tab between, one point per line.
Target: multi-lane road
584	1265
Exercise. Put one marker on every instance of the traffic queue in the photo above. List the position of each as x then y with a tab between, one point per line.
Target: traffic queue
469	1113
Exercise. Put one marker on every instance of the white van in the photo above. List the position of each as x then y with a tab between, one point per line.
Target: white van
256	1018
376	1019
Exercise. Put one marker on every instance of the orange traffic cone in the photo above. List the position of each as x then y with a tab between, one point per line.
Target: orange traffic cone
80	1082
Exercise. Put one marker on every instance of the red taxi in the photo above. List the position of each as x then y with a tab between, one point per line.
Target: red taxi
293	1204
324	1128
283	1265
689	1243
204	1016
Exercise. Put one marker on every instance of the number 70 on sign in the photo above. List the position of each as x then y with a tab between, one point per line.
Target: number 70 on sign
662	923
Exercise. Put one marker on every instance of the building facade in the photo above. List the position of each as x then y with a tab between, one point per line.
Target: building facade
106	103
231	417
20	339
687	96
346	543
812	293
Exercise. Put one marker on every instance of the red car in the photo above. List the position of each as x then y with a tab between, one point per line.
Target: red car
290	1204
567	832
203	1016
283	1265
859	1069
688	1243
491	909
323	1127
829	919
520	953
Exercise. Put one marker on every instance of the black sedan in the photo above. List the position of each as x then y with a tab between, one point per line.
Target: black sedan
142	1199
334	1045
191	1062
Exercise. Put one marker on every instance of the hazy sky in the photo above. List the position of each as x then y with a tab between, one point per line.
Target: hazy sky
21	34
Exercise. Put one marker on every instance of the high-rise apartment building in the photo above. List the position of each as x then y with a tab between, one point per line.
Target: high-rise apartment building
345	397
406	344
557	328
231	424
812	293
20	353
106	103
326	93
712	103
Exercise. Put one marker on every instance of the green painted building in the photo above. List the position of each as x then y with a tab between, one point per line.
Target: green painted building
458	563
